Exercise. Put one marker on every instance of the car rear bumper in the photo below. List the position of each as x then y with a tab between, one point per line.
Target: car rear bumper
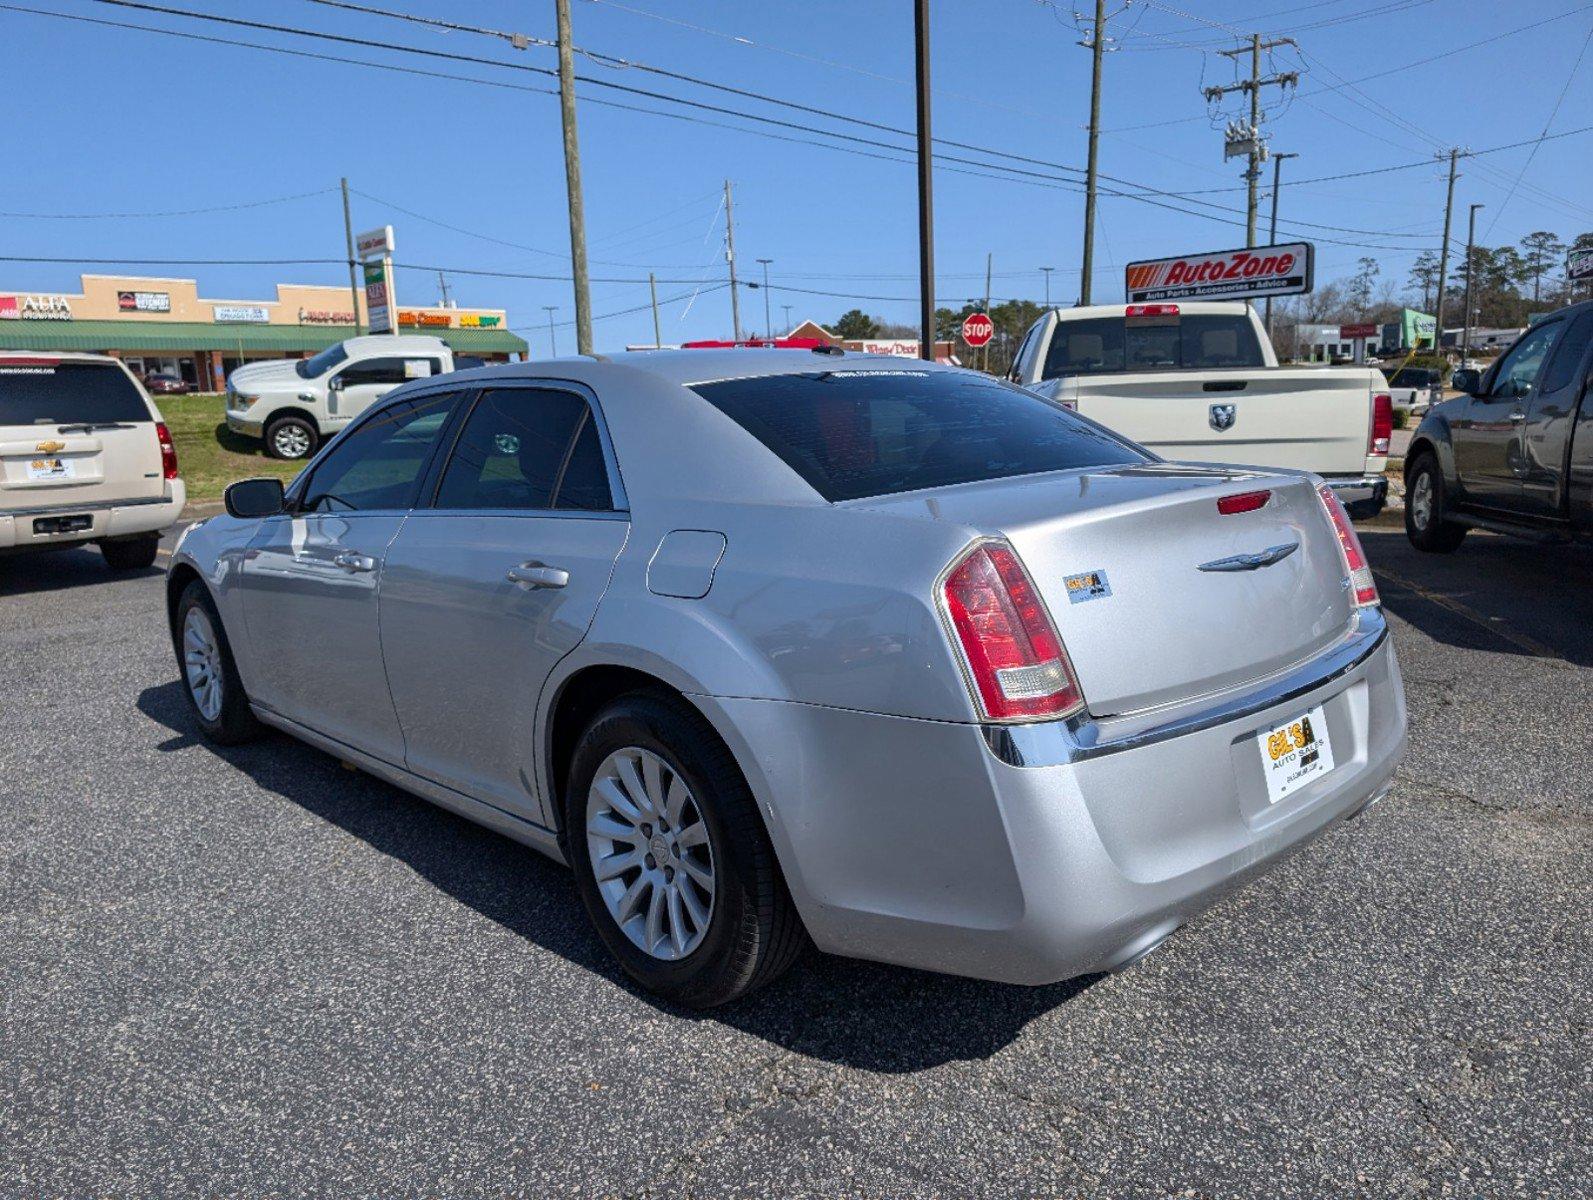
1363	495
35	527
1037	853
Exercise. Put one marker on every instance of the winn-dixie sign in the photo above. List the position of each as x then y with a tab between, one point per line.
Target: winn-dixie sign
1222	274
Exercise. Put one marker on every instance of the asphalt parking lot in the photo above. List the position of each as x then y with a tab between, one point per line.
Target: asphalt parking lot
252	972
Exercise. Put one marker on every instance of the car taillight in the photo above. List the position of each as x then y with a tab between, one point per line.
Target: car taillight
168	451
1382	424
1014	655
1360	575
1150	310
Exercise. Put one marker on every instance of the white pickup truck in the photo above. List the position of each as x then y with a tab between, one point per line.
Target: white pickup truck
1197	381
295	404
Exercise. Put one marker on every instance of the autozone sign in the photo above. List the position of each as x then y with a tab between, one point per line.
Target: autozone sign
1222	274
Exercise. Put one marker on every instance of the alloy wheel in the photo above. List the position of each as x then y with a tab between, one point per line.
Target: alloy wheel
651	853
202	663
291	441
1421	500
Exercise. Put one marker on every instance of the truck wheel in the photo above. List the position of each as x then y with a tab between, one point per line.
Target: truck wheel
131	554
1424	510
210	676
290	437
671	858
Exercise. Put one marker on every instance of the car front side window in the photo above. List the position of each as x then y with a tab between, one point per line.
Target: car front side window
1518	370
378	464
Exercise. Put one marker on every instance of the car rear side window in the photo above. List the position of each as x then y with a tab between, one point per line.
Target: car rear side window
1105	344
870	433
526	448
40	391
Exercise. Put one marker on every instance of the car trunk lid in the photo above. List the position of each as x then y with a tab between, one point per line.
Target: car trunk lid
1152	587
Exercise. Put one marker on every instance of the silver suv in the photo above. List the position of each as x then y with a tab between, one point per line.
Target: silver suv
84	457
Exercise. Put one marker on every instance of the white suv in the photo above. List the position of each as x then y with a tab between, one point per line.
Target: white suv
84	457
295	404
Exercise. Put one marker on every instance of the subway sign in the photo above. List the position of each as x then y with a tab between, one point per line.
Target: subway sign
1222	274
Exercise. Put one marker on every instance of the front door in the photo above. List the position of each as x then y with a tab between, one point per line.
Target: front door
1487	436
311	579
485	590
1551	417
366	380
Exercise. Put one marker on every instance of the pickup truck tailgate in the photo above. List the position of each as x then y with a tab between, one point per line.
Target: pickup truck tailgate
1305	418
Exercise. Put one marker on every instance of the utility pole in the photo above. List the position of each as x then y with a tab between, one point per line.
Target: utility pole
787	309
572	180
442	286
1443	256
926	213
730	258
353	271
1097	46
768	325
1272	230
1047	271
553	338
984	355
1471	237
1249	140
652	286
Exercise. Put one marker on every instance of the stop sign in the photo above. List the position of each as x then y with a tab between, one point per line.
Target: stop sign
977	329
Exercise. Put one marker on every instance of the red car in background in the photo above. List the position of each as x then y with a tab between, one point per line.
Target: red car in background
167	385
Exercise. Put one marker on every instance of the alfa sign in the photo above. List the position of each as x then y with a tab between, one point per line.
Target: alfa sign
977	329
1222	274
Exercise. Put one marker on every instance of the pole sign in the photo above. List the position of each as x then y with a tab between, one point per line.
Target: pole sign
375	248
977	329
374	243
1579	265
1284	270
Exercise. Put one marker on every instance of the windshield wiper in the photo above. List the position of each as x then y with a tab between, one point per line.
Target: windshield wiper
91	426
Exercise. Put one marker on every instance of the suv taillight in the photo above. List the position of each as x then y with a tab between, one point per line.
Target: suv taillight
1359	574
1015	658
168	451
1382	424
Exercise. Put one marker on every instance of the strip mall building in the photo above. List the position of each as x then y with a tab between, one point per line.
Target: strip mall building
162	326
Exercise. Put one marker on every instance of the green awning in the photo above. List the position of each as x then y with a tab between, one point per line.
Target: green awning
135	336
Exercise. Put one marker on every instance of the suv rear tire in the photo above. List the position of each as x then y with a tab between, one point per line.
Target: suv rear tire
720	942
209	673
131	554
291	437
1425	525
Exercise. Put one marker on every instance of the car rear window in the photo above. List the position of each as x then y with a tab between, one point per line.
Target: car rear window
41	392
1104	344
872	433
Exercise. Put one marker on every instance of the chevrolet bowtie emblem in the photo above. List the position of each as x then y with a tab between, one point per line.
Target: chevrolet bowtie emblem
50	447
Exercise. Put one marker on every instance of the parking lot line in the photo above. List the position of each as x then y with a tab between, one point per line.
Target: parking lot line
1494	626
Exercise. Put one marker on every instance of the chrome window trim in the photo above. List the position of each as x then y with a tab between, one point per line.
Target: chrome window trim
1057	743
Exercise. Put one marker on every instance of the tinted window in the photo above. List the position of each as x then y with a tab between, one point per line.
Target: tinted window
1568	358
1412	377
519	449
871	433
1518	370
378	463
319	364
40	392
1151	344
388	370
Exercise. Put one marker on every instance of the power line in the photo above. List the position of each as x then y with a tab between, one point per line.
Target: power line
181	212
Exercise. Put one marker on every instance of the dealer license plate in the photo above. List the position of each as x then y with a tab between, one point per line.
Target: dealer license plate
1295	753
50	468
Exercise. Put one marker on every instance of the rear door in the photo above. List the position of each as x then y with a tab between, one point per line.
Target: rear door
311	577
75	432
487	588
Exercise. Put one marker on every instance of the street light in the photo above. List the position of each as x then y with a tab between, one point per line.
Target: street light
768	325
553	340
1047	271
787	309
1471	236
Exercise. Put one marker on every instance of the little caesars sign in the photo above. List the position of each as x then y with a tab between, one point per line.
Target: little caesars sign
1222	274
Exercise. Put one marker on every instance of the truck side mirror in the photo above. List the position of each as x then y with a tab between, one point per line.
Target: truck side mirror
251	499
1468	380
335	383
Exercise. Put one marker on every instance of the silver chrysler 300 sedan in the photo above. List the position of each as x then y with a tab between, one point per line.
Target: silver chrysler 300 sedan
772	646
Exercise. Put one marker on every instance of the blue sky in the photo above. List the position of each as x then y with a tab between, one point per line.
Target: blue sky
108	120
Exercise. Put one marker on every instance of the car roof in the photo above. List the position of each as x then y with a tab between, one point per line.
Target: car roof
399	342
687	367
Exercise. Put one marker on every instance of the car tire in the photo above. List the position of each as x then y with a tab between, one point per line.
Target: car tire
209	673
131	554
752	931
1425	524
291	437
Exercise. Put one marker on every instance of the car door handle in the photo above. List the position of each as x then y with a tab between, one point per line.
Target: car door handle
1517	417
349	560
537	575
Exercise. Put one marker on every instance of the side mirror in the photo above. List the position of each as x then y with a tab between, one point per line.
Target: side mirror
335	383
1468	380
252	499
